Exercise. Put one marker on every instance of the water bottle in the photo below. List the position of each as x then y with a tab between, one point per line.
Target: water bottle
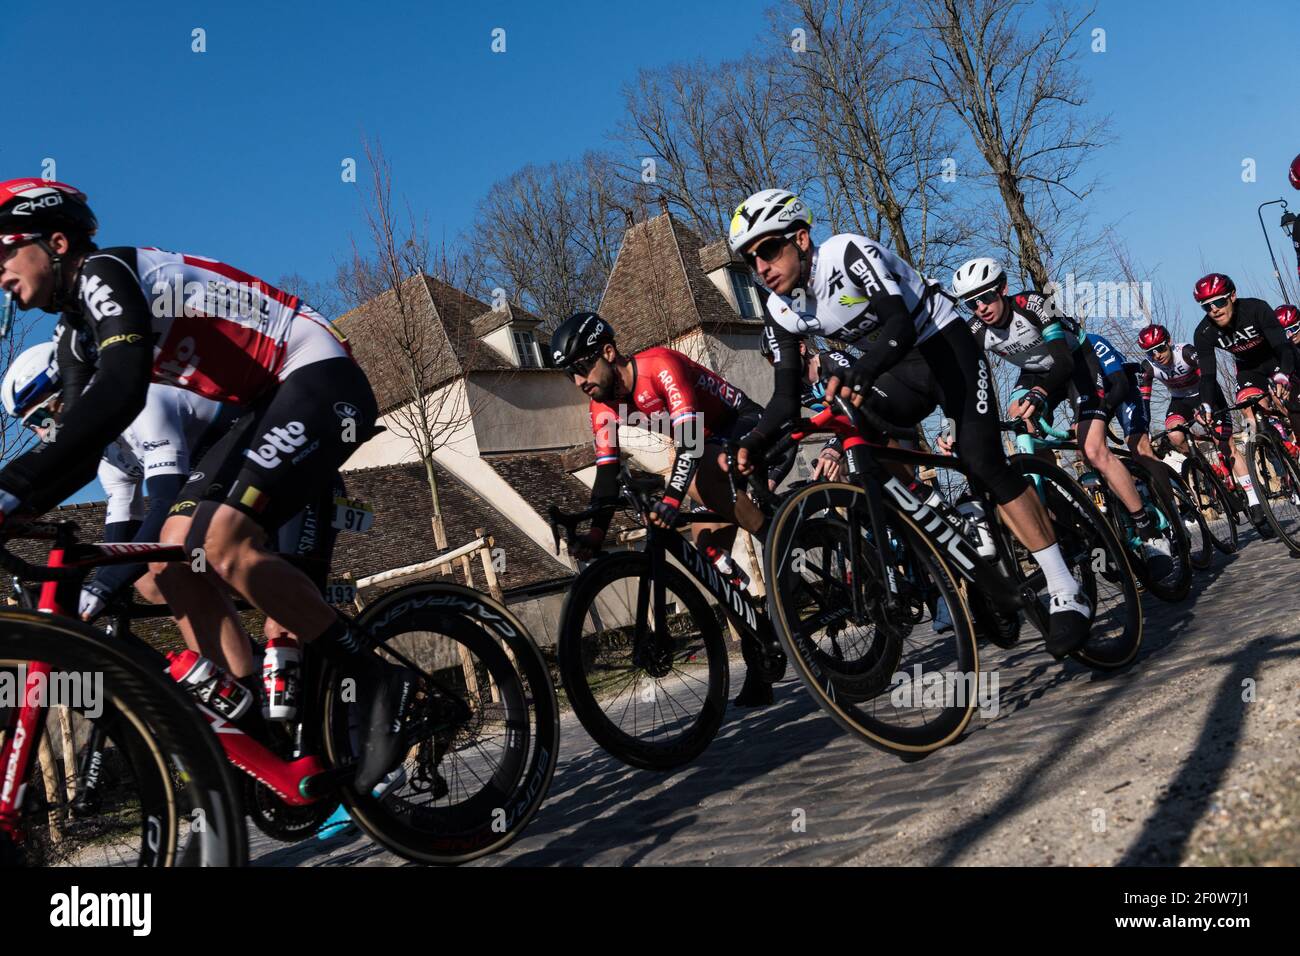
212	685
726	567
281	667
977	520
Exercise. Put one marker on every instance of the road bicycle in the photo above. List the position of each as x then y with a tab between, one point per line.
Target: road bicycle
169	797
1157	500
483	735
1273	469
857	580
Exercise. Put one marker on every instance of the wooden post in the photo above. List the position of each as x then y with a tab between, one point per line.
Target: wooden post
466	567
69	751
494	586
50	776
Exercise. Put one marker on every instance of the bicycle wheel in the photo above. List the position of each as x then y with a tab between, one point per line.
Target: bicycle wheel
1277	482
471	788
1097	559
1175	584
160	790
1213	503
1199	539
651	707
896	682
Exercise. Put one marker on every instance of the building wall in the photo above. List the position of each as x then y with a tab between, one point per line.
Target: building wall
528	411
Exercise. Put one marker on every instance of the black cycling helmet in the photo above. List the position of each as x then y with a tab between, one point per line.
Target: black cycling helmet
578	337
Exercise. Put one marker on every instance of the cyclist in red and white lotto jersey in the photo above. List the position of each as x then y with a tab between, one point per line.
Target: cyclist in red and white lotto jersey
129	316
664	391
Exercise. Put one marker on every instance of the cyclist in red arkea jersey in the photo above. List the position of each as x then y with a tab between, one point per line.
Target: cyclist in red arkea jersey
663	391
131	315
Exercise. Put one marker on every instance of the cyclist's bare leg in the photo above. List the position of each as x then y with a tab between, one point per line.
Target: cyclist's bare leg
1026	518
207	618
1092	442
236	552
712	488
147	588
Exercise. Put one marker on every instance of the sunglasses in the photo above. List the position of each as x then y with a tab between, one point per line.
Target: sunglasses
581	367
984	298
1157	349
767	250
1215	304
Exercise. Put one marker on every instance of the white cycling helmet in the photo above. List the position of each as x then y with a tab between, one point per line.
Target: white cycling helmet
976	276
768	212
31	381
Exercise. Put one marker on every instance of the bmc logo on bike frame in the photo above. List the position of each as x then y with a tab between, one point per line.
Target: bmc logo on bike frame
934	524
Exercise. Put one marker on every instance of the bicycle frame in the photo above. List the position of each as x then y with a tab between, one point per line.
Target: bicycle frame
863	458
296	782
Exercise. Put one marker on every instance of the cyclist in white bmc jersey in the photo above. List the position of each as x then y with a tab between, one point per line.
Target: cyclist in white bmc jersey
853	289
226	335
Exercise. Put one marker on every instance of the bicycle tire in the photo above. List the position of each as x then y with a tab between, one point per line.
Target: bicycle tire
515	703
187	778
1201	550
1211	495
1175	586
805	653
1082	530
1265	448
577	650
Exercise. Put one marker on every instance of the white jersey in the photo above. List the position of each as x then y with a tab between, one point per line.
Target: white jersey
850	275
160	441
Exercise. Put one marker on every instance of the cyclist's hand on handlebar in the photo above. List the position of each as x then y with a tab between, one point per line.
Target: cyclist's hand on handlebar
837	387
1280	387
90	605
829	465
945	444
664	513
1203	414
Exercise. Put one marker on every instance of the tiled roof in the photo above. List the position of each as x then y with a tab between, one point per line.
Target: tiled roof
545	478
493	319
716	255
659	290
442	314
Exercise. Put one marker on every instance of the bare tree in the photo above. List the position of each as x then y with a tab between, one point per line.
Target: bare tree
703	136
409	356
875	132
548	235
1020	95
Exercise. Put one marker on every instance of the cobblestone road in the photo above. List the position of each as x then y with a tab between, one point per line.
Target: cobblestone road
1076	768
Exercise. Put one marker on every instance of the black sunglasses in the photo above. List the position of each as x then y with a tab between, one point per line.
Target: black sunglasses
984	298
767	250
1220	303
581	367
1156	349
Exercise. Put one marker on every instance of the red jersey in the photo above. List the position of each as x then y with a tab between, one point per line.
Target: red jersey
668	391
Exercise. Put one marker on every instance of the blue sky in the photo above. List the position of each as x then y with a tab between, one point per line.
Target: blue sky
236	152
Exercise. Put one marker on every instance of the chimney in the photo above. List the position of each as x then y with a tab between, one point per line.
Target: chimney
663	204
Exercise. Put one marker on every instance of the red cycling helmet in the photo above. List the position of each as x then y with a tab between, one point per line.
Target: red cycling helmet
35	208
1152	337
1295	172
1213	286
1287	315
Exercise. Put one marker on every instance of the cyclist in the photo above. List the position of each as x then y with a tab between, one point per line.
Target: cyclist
152	457
855	290
1176	367
666	392
1123	399
1289	219
1288	316
147	314
1249	329
1055	363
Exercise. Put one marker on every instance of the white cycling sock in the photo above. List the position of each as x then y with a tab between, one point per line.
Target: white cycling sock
1248	486
1059	579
